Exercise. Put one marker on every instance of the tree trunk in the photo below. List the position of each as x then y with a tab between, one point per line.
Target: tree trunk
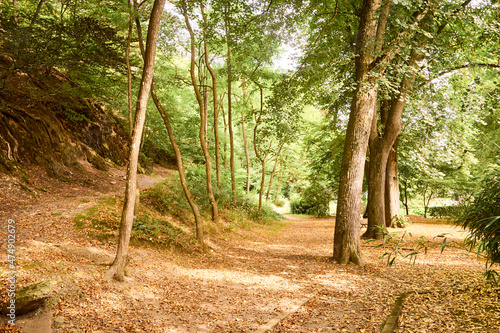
245	143
177	152
117	269
346	246
405	201
215	101
392	207
37	13
262	181
274	171
203	122
180	167
278	189
129	71
376	190
230	122
380	148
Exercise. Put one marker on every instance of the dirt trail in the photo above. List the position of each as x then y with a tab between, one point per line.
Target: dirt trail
256	275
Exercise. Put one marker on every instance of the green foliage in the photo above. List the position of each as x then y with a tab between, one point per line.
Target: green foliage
168	198
400	221
482	218
445	211
314	201
398	245
158	231
79	39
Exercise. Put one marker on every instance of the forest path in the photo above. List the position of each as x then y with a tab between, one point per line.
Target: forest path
255	275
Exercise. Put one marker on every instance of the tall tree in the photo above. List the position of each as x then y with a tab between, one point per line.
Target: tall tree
385	132
346	246
203	117
178	155
117	269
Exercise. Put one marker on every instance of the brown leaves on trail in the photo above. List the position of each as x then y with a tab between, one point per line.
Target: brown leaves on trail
256	274
468	306
9	329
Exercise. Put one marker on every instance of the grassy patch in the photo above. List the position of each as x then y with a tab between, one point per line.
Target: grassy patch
150	228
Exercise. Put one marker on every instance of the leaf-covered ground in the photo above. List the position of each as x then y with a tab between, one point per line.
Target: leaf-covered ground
251	276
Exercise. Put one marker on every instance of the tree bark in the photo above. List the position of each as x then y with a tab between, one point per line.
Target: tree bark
37	13
203	122
245	143
180	167
380	147
346	246
392	207
177	151
274	171
230	122
117	269
215	101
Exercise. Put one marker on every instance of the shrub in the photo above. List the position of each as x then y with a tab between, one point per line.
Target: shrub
400	221
448	211
314	201
482	218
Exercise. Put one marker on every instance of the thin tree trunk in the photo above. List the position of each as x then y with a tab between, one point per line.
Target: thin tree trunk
230	122
129	98
259	155
245	143
392	208
203	122
215	101
346	246
180	167
129	71
405	202
224	156
428	201
177	151
274	171
117	269
37	13
262	181
277	194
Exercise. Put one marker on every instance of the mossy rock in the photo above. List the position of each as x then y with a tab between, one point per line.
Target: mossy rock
30	297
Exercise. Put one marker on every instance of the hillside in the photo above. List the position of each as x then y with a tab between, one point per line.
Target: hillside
45	122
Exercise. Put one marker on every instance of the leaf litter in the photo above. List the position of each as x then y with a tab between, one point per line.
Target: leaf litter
256	274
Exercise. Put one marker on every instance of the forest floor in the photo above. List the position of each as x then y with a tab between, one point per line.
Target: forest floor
253	277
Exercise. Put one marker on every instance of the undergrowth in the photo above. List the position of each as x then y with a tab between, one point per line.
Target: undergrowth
165	218
149	229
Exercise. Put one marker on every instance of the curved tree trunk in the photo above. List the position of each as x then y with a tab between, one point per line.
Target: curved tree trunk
177	152
274	171
392	207
180	167
117	269
245	142
215	101
203	122
230	122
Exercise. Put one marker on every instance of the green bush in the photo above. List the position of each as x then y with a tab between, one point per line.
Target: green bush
168	197
482	218
314	201
445	211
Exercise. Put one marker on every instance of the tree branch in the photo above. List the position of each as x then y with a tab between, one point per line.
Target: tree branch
458	68
455	12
